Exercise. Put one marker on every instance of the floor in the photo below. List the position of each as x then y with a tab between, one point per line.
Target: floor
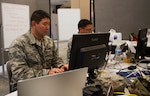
4	87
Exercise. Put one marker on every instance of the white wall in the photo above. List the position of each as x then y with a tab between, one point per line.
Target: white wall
67	22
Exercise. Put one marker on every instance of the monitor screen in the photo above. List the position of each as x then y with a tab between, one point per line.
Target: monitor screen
141	44
88	50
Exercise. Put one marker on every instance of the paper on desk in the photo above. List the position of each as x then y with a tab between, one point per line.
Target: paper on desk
111	70
131	47
115	36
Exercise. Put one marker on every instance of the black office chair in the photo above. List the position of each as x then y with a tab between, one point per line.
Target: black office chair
12	86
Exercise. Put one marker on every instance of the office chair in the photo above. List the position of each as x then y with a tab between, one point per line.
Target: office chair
12	86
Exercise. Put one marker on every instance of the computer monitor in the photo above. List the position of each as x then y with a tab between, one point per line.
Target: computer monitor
141	44
89	50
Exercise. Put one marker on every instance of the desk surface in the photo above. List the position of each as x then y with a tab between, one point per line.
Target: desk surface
112	67
109	69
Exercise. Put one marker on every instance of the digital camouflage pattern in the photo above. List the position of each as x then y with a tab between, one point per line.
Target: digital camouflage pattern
31	58
69	49
140	86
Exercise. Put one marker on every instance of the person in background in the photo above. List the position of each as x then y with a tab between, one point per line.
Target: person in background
84	26
34	53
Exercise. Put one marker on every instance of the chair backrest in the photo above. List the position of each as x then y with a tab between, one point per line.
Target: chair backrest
11	85
5	57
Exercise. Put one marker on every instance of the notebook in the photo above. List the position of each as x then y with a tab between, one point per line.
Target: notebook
69	83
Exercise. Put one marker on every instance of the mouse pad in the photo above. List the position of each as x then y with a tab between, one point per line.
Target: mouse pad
131	74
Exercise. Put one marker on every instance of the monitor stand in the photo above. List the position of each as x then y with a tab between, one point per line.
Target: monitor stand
91	76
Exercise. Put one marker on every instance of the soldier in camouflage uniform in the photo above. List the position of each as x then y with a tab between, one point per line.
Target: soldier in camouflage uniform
34	53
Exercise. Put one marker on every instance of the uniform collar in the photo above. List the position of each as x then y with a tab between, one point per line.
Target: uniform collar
32	39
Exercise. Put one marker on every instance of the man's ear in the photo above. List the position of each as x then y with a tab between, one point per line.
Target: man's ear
80	28
33	23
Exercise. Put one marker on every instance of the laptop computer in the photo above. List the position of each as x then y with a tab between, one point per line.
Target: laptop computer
69	83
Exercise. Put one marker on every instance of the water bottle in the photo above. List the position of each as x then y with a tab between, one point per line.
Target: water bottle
118	53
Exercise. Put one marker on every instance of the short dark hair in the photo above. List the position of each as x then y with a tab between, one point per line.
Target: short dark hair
83	23
38	15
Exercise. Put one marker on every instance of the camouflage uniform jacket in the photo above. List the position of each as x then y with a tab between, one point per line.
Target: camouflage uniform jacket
69	49
31	58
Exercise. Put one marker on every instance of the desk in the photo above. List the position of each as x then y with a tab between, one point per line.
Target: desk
113	69
109	69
